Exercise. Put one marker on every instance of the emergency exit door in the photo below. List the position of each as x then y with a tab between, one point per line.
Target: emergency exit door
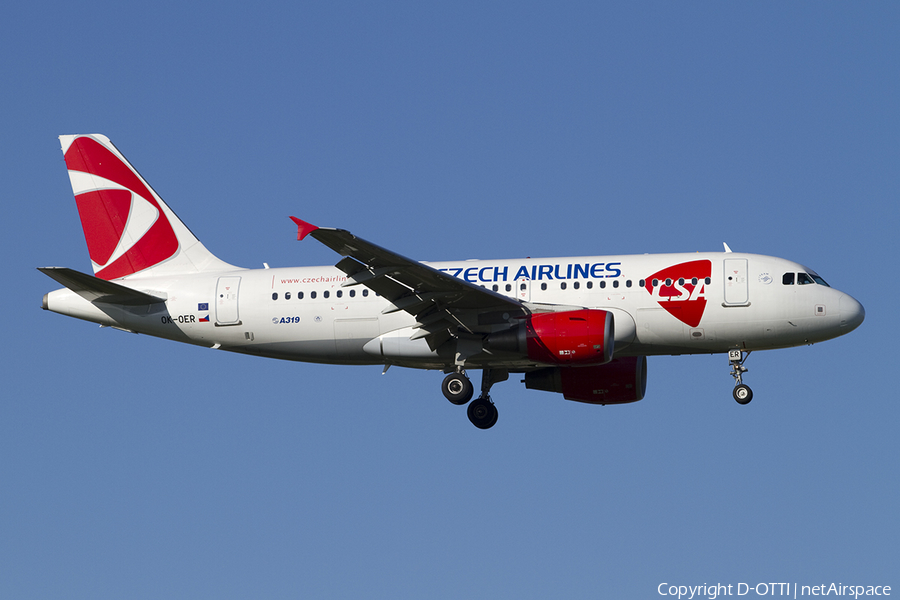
227	301
736	292
523	289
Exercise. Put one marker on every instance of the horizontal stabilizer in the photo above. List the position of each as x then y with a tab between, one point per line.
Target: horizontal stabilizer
94	289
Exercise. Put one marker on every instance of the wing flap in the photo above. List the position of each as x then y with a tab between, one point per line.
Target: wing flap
416	303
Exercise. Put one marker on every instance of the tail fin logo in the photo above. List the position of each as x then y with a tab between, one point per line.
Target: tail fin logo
125	228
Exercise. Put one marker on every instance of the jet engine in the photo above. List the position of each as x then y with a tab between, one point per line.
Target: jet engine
621	381
575	337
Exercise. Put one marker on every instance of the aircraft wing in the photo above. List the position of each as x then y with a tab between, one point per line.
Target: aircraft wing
441	303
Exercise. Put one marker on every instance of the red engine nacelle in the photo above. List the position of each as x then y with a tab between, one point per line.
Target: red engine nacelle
618	382
575	337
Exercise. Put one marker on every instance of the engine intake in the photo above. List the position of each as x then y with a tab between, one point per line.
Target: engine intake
575	337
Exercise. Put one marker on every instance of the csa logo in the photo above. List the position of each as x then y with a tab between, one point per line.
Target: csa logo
125	228
681	290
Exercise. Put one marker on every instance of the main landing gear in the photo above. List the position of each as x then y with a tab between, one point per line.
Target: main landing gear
742	392
482	412
458	389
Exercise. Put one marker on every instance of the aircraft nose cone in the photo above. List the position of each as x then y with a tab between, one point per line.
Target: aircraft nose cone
852	313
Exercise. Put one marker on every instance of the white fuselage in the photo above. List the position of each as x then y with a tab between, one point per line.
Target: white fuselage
700	303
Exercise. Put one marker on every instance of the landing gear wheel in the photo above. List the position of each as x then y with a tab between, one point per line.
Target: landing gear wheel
457	388
742	393
483	413
496	414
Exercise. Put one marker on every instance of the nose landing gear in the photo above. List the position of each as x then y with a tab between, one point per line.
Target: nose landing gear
742	392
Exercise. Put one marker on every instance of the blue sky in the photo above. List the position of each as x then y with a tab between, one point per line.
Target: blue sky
132	467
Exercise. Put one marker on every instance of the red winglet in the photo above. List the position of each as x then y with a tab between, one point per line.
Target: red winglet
303	228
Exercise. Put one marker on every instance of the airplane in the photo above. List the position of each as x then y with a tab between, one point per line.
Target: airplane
580	326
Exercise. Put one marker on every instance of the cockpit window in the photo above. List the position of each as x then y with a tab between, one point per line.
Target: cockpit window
818	279
803	279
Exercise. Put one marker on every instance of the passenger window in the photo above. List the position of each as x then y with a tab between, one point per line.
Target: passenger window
787	279
655	282
275	296
365	292
522	287
352	293
339	293
543	286
590	285
628	283
804	279
602	284
299	295
495	287
287	295
707	281
312	295
325	294
562	286
694	281
615	283
576	285
508	287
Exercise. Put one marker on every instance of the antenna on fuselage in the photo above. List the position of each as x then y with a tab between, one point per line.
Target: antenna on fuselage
727	249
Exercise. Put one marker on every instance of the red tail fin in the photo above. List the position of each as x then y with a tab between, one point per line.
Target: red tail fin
128	228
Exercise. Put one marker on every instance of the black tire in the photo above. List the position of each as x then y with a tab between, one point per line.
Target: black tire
482	413
457	388
496	414
742	394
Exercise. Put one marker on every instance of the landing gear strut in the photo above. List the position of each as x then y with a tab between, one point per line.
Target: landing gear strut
742	392
482	411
